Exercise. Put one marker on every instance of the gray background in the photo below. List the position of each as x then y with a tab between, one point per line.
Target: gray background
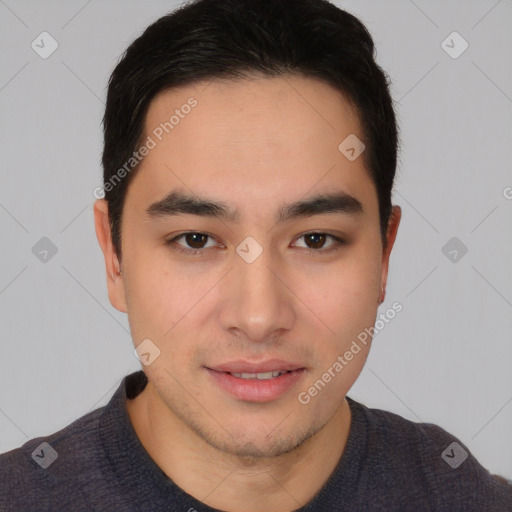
444	359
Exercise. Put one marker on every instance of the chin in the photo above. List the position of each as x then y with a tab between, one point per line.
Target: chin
257	442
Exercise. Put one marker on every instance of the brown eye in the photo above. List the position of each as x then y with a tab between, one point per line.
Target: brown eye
195	240
315	242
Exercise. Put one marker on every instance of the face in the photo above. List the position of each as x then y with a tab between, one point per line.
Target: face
251	284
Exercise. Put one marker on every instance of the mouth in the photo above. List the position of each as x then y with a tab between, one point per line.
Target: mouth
259	376
256	383
250	370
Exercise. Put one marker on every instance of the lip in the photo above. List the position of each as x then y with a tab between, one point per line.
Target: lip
241	366
256	390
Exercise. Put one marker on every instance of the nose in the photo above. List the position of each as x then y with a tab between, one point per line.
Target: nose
258	303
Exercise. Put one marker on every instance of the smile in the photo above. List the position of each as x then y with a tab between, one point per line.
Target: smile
256	386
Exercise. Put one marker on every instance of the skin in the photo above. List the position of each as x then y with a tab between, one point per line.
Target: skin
255	144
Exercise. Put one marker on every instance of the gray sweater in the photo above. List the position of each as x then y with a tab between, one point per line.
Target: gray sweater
389	463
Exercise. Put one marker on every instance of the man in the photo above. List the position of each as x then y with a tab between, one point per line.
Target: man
247	226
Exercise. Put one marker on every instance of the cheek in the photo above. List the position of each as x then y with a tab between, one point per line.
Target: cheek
346	302
152	296
165	305
156	301
343	296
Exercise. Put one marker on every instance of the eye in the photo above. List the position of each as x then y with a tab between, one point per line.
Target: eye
316	241
194	240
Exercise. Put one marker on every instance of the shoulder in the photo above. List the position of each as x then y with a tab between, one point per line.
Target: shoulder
64	461
428	460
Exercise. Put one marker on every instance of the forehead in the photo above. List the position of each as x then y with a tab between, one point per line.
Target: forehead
254	138
275	112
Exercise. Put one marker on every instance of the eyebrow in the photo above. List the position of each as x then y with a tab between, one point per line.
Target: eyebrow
178	202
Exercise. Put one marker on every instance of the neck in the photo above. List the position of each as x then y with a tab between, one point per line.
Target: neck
232	483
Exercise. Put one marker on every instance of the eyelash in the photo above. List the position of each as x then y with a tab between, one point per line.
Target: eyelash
193	252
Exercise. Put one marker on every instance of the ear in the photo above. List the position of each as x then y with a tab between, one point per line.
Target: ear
115	283
393	223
